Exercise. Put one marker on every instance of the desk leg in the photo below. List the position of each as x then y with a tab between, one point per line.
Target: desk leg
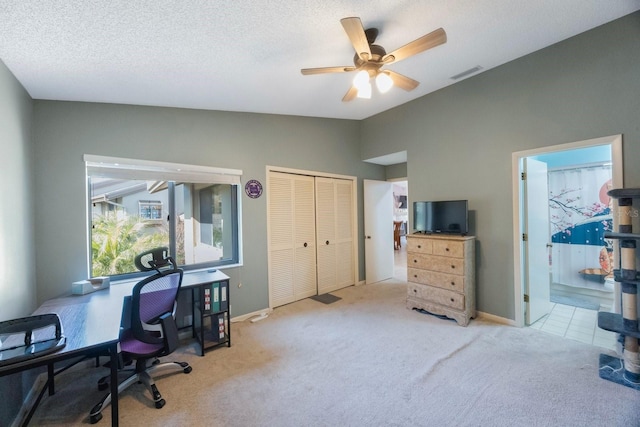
113	353
193	312
50	379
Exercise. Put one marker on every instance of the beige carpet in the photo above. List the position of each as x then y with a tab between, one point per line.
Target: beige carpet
368	361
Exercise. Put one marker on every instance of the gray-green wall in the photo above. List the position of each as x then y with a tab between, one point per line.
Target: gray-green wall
65	131
460	140
396	171
17	258
17	255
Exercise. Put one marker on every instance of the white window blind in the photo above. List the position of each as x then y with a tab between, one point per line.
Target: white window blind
122	168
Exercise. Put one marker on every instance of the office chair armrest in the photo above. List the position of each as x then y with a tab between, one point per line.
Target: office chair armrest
170	332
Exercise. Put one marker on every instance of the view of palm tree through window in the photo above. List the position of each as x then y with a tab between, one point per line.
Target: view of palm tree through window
196	221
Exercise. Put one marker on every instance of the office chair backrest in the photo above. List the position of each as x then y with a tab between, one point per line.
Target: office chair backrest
155	297
152	299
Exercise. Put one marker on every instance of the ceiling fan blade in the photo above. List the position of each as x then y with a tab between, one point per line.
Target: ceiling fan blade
403	82
350	95
433	39
323	70
355	31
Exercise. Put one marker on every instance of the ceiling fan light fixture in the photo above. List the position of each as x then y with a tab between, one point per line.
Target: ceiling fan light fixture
361	80
383	82
365	91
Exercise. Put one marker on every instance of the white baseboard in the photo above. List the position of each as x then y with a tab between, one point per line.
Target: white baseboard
495	319
261	313
30	400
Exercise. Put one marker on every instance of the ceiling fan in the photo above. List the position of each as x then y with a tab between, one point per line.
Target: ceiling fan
370	58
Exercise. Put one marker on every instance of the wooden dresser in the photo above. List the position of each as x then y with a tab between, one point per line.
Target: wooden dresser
441	275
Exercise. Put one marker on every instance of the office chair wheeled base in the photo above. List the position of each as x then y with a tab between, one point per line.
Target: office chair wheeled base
138	376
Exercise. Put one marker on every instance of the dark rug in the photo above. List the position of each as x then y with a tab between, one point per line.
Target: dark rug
326	298
574	301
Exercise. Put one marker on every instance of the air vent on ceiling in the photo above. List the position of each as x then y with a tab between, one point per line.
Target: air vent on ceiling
467	73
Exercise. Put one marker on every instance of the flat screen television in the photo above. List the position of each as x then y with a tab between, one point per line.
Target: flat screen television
447	216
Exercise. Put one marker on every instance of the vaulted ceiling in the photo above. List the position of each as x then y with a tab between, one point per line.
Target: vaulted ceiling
244	55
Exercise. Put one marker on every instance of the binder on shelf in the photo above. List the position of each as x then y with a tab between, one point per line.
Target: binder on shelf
224	292
221	329
215	301
206	299
211	298
216	328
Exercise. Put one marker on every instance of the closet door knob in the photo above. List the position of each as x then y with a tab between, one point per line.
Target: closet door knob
305	244
327	242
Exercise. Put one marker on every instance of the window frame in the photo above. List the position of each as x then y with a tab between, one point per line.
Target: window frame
123	168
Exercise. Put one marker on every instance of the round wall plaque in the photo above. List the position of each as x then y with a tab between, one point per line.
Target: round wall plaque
253	188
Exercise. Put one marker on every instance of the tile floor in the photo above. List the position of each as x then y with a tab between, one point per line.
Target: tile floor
579	324
566	321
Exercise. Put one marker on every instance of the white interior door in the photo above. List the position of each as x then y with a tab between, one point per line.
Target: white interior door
378	230
537	245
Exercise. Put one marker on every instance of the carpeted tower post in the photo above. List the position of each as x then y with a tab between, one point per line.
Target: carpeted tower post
625	370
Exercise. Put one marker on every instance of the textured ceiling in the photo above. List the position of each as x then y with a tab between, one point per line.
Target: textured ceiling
245	55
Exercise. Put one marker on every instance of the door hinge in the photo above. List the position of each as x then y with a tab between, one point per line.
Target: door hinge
523	176
526	298
524	237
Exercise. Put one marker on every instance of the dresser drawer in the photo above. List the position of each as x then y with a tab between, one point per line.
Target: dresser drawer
451	282
436	263
448	248
436	295
419	245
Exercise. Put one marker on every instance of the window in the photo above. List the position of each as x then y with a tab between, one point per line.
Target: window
150	210
139	205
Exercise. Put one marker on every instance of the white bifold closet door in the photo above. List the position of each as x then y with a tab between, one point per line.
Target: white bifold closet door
311	236
334	231
292	238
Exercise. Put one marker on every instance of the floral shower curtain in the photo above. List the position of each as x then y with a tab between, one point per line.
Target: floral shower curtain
580	214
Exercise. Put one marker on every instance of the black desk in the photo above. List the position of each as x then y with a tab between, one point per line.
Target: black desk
91	325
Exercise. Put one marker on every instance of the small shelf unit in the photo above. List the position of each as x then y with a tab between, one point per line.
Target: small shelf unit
211	321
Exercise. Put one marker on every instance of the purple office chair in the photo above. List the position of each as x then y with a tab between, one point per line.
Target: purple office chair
153	331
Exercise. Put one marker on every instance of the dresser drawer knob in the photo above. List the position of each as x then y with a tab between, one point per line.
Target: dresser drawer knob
415	260
415	275
415	291
452	300
453	283
453	266
447	249
419	246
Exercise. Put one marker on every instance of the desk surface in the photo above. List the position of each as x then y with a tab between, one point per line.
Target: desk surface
92	321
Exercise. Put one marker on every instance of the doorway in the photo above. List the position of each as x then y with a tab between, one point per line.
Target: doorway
400	217
522	283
